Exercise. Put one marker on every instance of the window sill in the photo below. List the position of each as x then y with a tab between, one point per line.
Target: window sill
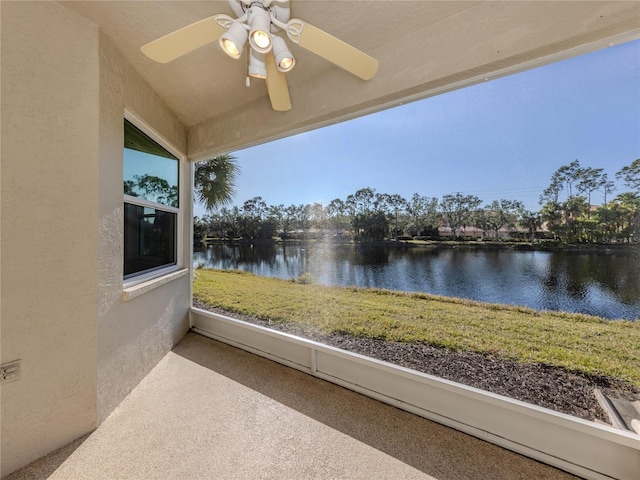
133	291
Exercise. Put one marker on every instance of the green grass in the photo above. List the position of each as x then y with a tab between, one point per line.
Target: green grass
577	343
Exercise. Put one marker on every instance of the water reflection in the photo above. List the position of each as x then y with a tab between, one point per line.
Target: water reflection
599	284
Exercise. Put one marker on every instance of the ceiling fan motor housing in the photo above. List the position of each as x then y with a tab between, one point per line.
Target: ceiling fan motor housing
277	9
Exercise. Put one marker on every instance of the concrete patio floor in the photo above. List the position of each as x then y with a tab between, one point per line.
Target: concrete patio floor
211	411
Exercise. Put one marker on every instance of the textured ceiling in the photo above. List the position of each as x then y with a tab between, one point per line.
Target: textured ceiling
206	83
424	47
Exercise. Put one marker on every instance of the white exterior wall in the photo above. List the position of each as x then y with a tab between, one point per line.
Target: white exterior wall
82	348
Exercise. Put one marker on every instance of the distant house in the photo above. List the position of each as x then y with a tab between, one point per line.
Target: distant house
466	233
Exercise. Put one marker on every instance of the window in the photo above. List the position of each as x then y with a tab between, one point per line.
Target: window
151	203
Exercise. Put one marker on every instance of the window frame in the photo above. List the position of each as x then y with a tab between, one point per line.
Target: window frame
180	211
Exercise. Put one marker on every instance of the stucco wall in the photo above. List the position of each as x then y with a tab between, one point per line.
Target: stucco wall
132	336
49	248
82	348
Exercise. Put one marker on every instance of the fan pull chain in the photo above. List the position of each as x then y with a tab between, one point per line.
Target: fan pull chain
247	82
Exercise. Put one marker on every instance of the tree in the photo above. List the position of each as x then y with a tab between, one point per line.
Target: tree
631	175
551	214
482	221
531	221
318	216
231	221
199	229
276	212
606	188
254	212
302	216
562	178
371	226
361	201
360	207
501	213
423	212
392	206
570	174
627	206
457	210
152	188
213	224
590	180
337	215
607	218
289	219
551	194
214	181
574	208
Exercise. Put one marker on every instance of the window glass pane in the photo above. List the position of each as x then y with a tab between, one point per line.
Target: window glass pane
149	171
149	239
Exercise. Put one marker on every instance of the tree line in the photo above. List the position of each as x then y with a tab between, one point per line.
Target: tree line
569	215
566	213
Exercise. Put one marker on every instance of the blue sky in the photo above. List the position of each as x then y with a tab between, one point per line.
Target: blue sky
499	139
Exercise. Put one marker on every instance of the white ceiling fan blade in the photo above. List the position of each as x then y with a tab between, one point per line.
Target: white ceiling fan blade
183	41
333	49
277	85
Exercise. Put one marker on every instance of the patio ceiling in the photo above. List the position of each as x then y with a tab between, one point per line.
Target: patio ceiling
424	47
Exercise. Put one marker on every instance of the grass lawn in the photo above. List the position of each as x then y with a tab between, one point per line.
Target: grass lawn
577	343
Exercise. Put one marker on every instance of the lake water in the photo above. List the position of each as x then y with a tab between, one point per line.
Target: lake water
603	284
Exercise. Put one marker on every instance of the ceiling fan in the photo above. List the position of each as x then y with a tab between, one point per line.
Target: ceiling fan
258	23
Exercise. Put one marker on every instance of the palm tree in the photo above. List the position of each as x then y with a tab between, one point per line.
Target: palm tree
214	181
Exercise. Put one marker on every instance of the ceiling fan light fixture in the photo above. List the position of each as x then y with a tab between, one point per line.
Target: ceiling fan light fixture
263	24
232	41
284	58
260	26
257	68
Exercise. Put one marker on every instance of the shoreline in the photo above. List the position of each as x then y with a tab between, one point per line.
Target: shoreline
632	249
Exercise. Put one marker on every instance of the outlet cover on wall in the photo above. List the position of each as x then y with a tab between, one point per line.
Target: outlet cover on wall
10	371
